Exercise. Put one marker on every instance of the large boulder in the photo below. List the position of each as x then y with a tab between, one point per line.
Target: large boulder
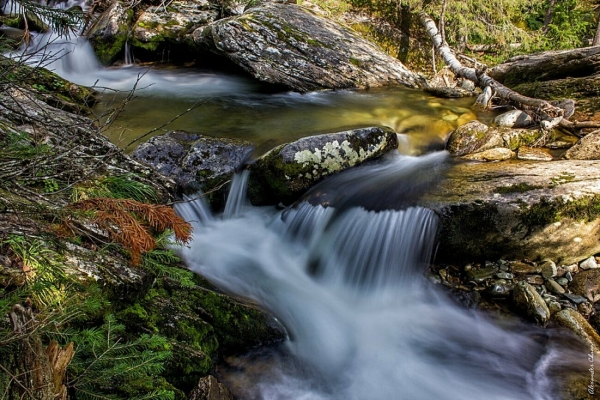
160	25
286	45
196	162
588	148
519	210
288	170
110	32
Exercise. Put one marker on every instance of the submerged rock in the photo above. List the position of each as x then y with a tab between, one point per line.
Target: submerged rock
527	153
496	154
519	210
196	162
287	45
287	171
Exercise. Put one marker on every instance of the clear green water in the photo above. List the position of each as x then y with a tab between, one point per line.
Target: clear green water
234	107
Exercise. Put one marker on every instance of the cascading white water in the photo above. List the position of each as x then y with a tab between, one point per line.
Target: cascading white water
363	323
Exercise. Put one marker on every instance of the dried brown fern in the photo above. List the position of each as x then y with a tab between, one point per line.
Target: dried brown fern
132	223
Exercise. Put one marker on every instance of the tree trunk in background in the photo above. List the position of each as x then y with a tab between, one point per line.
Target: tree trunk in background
443	21
549	15
596	41
548	114
405	26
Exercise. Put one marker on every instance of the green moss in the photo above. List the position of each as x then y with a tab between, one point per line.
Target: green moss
355	61
517	188
109	49
546	211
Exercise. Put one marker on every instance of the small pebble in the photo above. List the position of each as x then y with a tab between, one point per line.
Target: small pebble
585	308
554	307
569	276
535	279
564	269
504	275
468	267
562	281
575	298
589	263
549	269
554	287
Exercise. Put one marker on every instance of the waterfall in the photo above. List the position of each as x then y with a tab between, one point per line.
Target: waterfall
128	59
237	194
363	323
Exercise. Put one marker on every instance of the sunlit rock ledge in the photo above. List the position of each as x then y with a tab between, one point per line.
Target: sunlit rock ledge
519	210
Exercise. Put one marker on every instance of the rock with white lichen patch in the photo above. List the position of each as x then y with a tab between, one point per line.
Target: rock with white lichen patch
287	171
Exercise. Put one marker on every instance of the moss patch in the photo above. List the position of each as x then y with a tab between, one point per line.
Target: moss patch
517	188
546	211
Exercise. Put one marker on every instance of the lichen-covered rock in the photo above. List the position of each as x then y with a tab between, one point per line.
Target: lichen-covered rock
109	33
519	210
529	301
196	162
158	25
288	170
588	148
475	137
285	44
587	284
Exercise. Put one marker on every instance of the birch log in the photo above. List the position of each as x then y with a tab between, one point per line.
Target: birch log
548	114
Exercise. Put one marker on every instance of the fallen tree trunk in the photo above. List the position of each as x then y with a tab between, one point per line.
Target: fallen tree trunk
548	65
548	115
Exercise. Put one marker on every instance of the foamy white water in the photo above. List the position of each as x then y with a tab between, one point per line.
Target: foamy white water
363	323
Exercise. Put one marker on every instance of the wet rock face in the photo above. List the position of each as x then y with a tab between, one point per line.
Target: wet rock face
287	171
519	210
527	299
109	33
286	45
194	161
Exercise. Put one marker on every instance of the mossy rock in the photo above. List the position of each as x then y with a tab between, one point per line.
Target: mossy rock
109	33
49	87
200	323
287	171
518	210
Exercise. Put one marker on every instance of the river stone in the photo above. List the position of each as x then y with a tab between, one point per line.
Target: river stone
529	301
577	324
286	45
208	388
514	119
589	263
587	148
109	33
194	161
535	279
174	24
518	210
564	269
549	269
527	153
287	171
554	287
519	267
587	284
499	288
476	137
481	274
497	154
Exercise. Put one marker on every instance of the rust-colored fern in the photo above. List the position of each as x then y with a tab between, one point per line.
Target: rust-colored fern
131	223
